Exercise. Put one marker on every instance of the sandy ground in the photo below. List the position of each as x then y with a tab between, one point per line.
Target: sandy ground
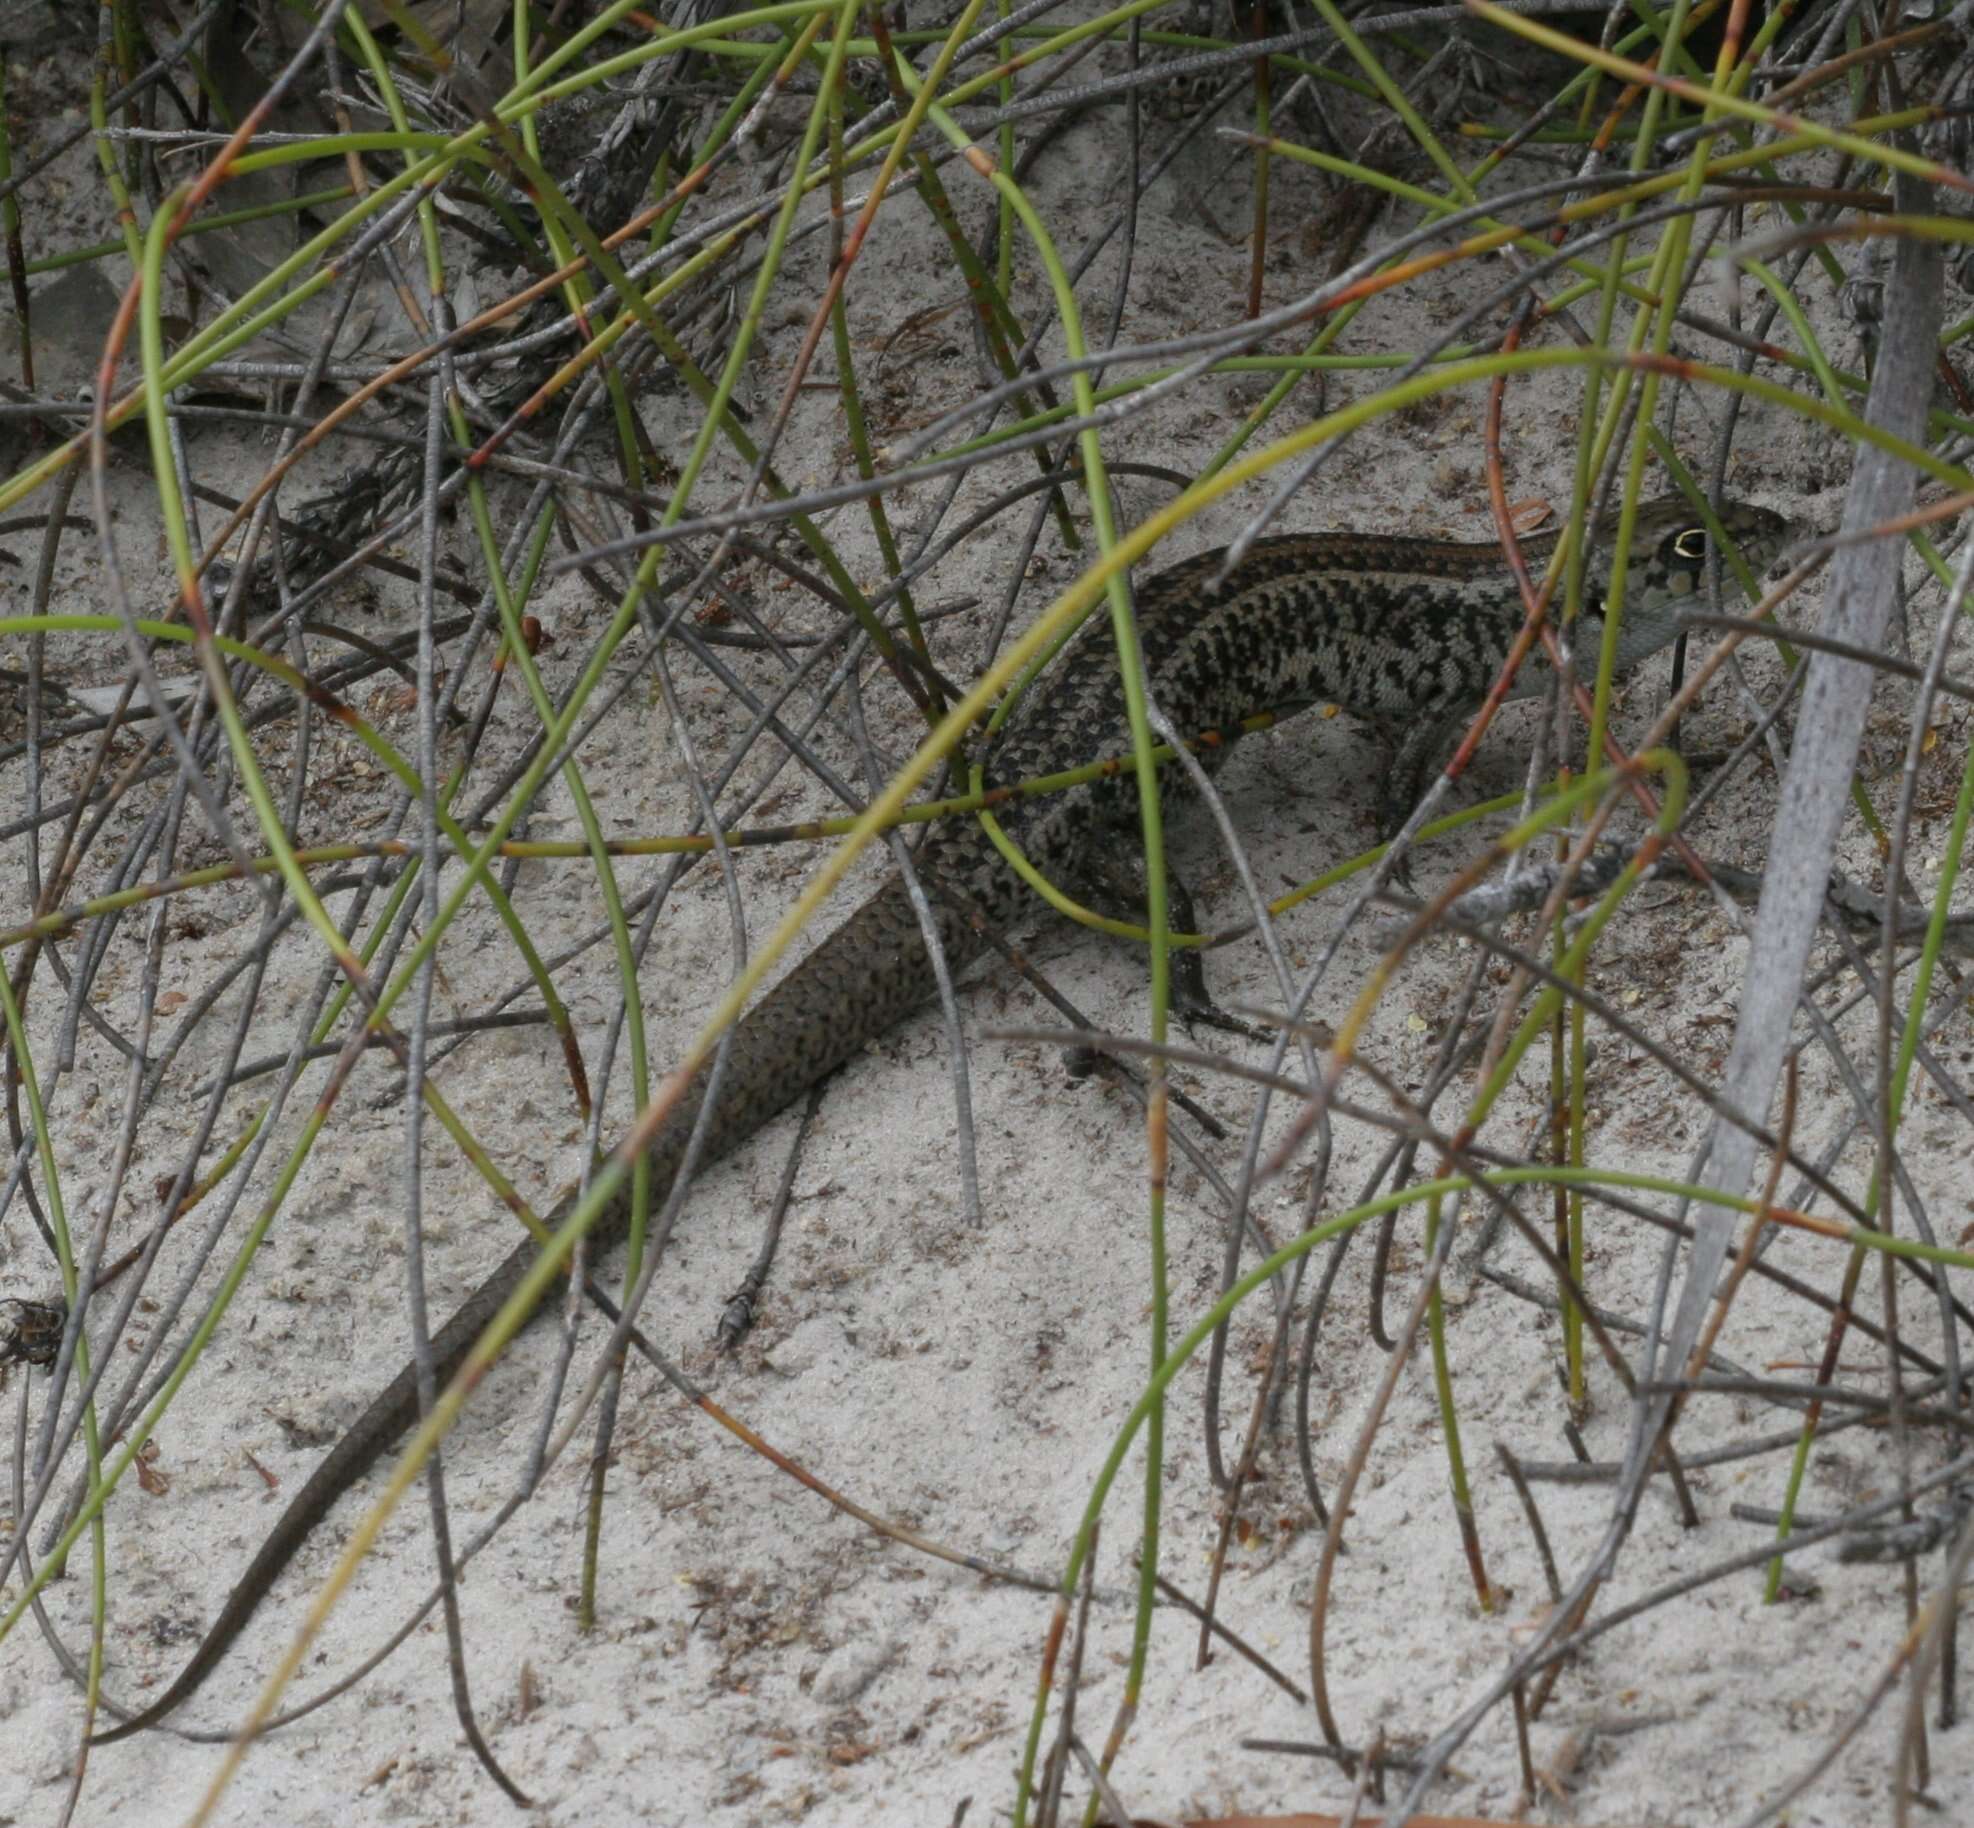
759	1657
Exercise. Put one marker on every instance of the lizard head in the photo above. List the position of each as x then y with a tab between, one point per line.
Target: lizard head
1670	547
1667	575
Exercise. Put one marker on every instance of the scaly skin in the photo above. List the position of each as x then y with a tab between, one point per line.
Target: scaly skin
1408	633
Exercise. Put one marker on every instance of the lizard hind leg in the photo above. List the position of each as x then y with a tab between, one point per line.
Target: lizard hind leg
1113	880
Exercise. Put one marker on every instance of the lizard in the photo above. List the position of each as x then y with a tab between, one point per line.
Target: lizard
1398	631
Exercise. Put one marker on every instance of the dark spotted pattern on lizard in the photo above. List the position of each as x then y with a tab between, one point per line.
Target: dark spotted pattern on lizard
1406	633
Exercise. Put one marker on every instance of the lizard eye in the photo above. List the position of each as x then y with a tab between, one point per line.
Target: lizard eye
1692	544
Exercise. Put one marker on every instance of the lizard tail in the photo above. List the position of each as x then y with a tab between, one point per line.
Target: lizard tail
868	974
388	1415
